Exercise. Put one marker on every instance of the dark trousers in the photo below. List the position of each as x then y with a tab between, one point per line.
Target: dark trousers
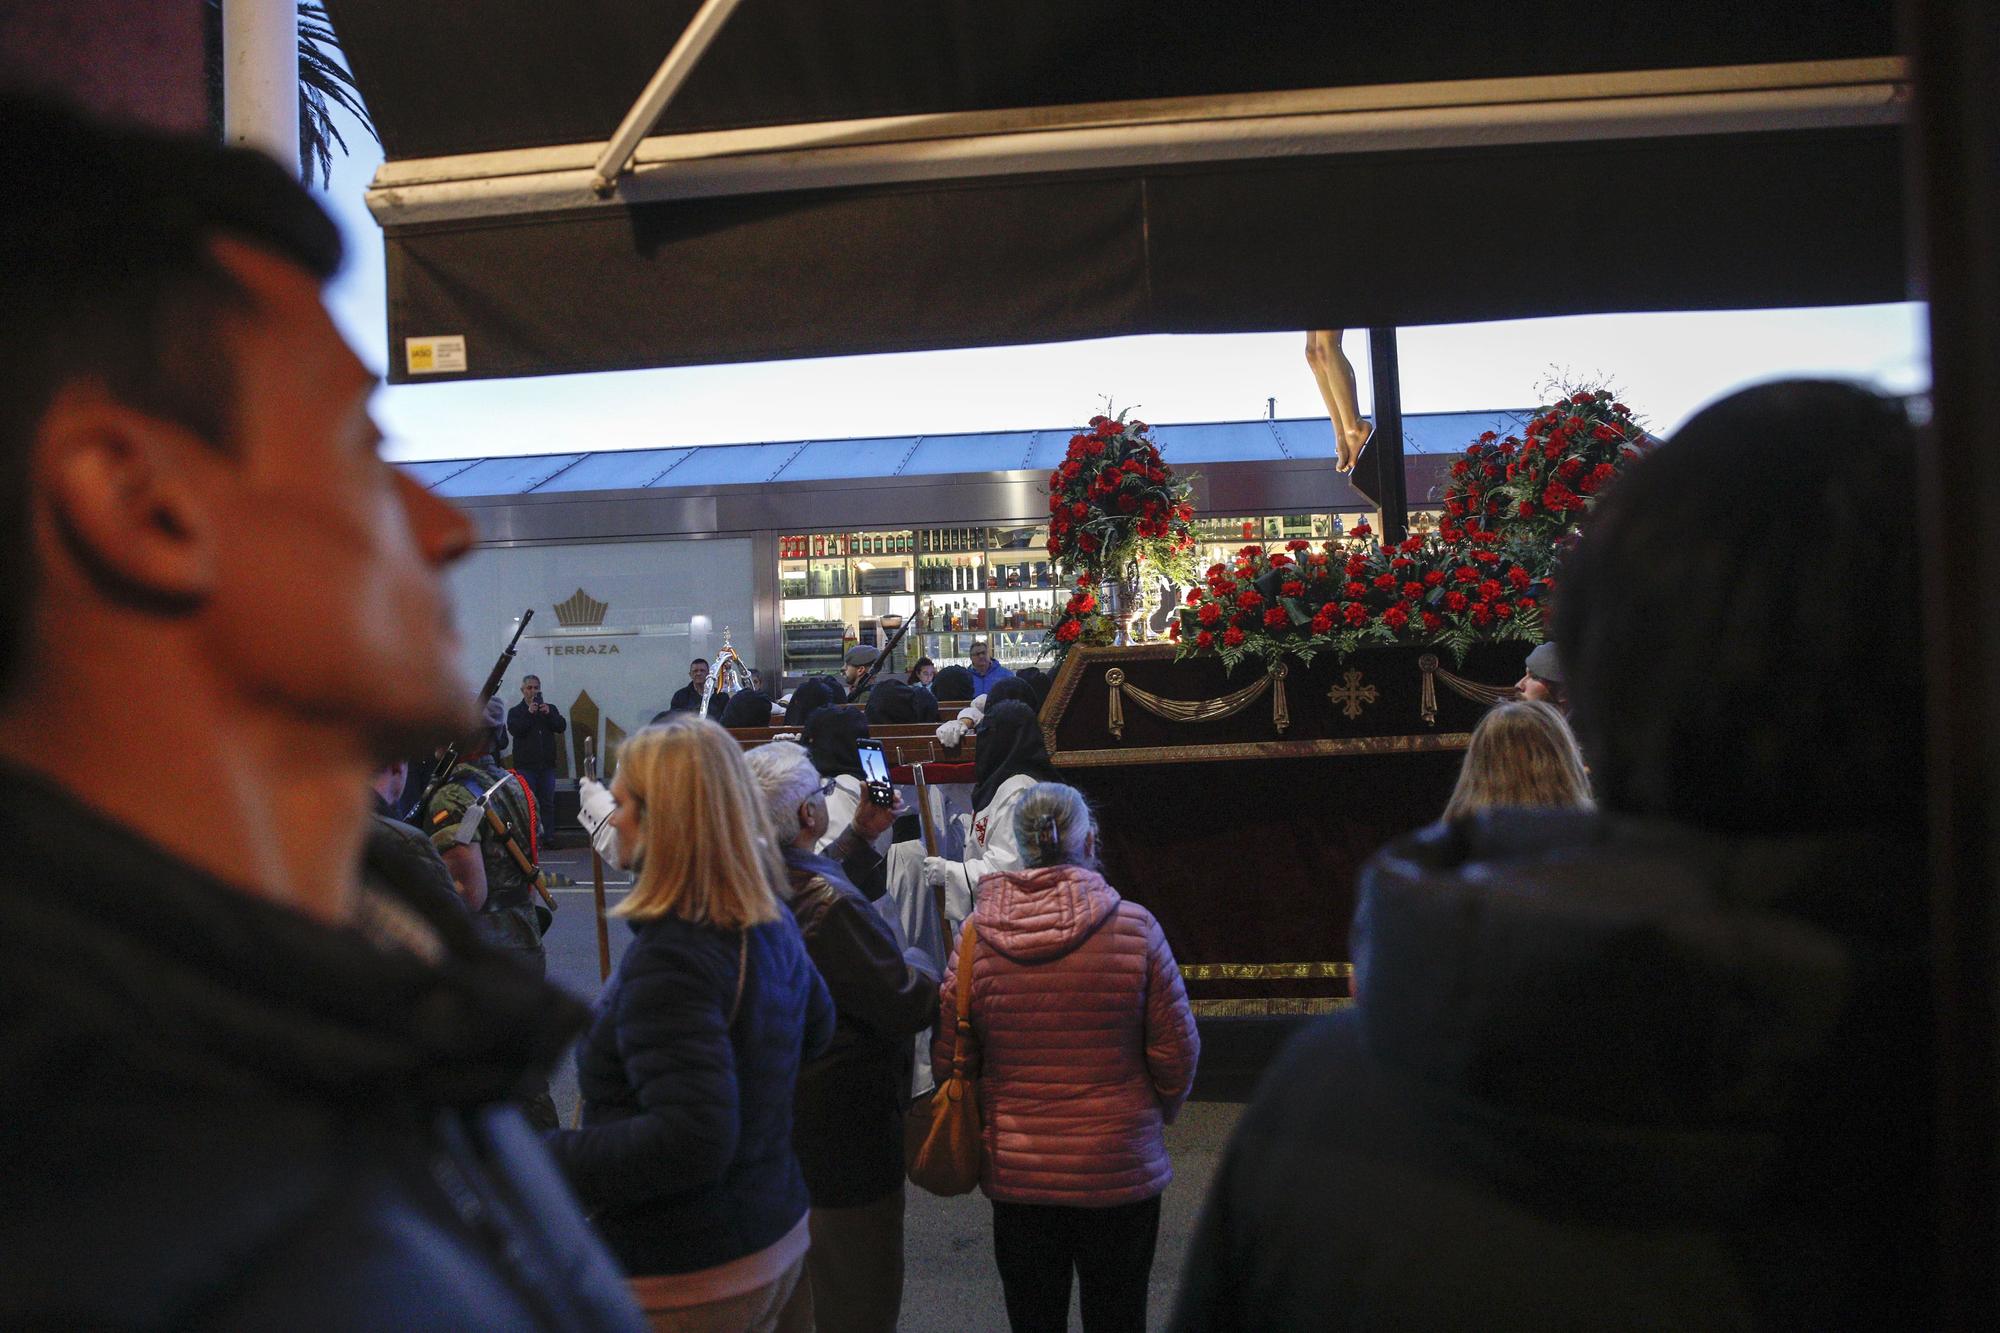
542	782
855	1266
1110	1250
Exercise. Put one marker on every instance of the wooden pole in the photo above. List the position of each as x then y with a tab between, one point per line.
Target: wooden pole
597	878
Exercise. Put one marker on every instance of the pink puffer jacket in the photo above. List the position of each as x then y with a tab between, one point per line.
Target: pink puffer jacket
1087	1043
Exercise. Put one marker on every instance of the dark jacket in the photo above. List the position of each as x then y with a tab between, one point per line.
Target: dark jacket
535	744
220	1113
848	1116
687	699
685	1155
1600	1074
399	859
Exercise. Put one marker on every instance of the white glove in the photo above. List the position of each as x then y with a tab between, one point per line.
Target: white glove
952	732
593	810
937	872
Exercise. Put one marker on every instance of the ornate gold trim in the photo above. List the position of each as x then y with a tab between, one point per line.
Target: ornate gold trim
1160	754
1070	675
1280	1008
1191	710
1263	971
1483	695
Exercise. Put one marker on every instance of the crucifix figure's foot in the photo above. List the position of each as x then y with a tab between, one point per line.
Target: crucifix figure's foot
1351	445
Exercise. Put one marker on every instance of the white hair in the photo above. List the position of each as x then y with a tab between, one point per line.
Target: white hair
785	772
1052	825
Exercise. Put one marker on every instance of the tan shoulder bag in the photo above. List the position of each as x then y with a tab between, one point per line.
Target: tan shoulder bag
943	1145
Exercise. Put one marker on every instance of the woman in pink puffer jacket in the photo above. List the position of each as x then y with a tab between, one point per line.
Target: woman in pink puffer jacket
1087	1049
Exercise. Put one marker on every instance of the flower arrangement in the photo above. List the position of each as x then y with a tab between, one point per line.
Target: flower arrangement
1114	506
1453	588
1542	485
1485	574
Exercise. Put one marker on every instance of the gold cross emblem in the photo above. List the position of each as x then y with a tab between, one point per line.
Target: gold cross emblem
1351	694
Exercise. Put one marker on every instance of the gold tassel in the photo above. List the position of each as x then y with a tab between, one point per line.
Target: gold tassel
1115	678
1428	664
1281	713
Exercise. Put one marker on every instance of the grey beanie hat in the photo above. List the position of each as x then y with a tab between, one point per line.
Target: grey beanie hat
861	655
1543	664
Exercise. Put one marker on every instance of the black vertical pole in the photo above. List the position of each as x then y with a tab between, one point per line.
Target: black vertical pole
1954	155
1382	460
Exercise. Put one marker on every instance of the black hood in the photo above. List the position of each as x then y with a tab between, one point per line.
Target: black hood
894	702
832	737
159	972
1618	1011
1010	746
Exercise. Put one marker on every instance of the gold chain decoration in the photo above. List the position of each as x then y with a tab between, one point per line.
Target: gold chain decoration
1483	695
1195	710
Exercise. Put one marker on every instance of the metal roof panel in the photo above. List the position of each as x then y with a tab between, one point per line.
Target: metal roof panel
505	476
831	460
997	451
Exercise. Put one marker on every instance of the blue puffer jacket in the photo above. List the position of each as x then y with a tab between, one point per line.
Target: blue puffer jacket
685	1155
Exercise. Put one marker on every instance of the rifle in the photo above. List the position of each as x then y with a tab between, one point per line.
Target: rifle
881	660
448	760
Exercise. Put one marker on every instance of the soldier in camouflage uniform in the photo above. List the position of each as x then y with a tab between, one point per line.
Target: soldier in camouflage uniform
500	896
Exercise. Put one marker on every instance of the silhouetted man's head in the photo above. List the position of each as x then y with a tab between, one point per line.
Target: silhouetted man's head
1740	625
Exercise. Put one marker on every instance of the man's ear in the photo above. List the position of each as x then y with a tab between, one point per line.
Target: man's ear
131	497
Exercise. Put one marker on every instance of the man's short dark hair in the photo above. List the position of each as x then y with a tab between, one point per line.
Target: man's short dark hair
106	276
699	661
1741	621
531	676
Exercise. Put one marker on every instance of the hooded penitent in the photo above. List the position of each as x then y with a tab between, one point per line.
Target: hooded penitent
1010	745
832	740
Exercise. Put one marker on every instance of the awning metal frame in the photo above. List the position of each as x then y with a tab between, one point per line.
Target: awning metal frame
1175	132
659	91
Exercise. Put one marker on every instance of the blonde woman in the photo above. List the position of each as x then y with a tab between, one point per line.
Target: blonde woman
1522	754
687	1073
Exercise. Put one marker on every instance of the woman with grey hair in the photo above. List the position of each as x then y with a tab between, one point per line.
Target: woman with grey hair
1088	1048
847	1117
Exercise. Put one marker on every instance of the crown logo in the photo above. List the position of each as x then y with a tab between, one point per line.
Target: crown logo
581	609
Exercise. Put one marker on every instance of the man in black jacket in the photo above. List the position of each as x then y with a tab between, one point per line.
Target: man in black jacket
1666	1066
848	1116
228	1101
535	724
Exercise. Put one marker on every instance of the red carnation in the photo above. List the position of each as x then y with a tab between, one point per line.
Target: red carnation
1487	437
1503	609
1249	599
1455	600
1068	631
1356	566
1361	529
1385	581
1323	621
1355	588
1276	617
1355	613
1518	577
1232	636
1466	574
1412	591
1397	616
1433	621
1204	640
1297	544
1209	613
1527	509
1489	589
1086	543
1433	577
1293	588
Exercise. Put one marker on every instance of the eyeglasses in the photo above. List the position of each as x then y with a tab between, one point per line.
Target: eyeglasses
826	788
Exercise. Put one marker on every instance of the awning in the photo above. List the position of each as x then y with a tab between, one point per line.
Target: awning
885	175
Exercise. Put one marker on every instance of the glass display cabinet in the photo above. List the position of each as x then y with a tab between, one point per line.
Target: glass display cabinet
992	582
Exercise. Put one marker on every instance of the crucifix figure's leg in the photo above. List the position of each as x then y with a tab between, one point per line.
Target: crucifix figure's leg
1335	376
